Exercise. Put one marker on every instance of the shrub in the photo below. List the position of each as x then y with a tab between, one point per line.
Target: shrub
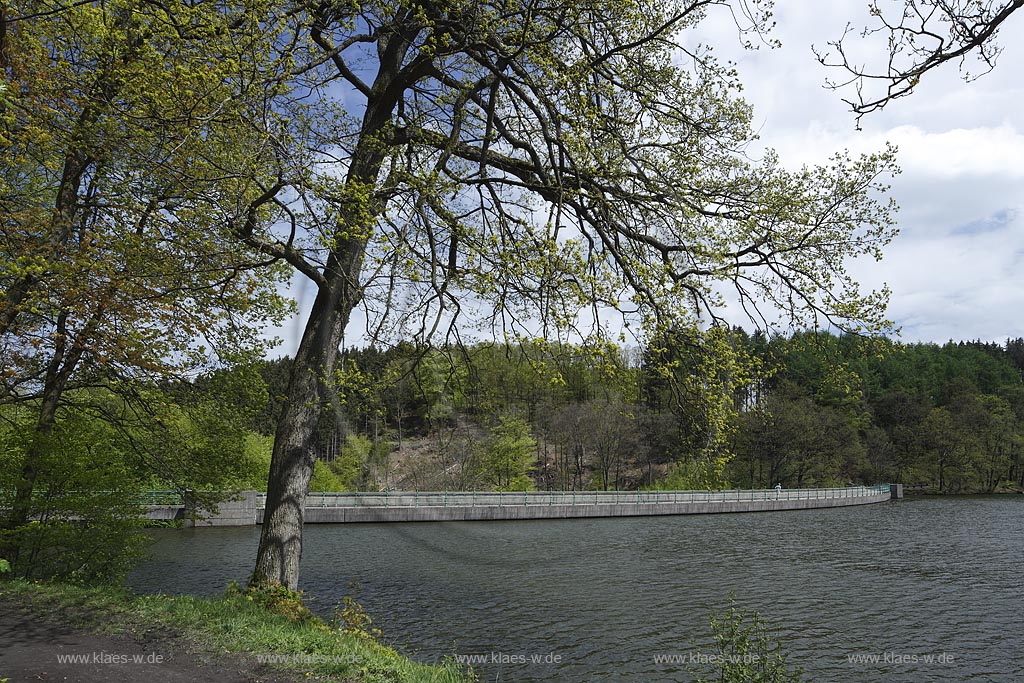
85	520
745	651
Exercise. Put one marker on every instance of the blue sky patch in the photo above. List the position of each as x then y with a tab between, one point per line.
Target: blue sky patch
997	221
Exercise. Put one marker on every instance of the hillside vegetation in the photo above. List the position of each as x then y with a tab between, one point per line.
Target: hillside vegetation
805	410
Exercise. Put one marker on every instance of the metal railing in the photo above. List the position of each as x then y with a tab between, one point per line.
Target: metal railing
390	499
161	498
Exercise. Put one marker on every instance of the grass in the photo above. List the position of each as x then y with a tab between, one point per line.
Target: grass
271	623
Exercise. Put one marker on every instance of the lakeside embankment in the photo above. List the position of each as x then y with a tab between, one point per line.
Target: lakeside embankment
103	633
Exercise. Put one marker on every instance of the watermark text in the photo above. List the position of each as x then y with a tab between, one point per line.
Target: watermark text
306	659
698	658
110	658
900	658
485	658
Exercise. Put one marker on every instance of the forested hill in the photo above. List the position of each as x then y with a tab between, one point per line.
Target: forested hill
811	409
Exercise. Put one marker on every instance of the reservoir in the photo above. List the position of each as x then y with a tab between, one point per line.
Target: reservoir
924	589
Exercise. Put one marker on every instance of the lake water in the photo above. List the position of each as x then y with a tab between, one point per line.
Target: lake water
628	599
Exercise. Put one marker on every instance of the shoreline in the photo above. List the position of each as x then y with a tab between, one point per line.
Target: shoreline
98	634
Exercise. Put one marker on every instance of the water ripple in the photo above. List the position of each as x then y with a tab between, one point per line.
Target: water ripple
920	578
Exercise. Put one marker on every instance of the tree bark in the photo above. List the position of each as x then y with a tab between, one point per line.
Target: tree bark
280	550
291	466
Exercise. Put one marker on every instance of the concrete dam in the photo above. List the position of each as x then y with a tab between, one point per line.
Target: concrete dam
247	507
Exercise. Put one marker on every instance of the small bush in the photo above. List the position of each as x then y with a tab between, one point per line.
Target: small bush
352	617
745	651
277	599
83	525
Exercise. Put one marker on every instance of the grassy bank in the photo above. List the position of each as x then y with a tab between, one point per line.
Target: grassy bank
270	625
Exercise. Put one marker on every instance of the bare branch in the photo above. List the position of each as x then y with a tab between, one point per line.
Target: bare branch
926	35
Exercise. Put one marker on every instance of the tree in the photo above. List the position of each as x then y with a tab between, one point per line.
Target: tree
1014	397
700	377
600	437
85	504
508	455
103	448
616	442
921	35
943	444
117	267
998	439
571	425
900	414
529	163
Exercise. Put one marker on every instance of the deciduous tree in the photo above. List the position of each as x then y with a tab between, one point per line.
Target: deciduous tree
509	453
128	152
532	166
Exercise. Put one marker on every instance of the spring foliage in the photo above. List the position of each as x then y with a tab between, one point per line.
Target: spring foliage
524	168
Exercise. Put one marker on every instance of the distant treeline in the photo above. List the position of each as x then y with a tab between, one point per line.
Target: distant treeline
731	409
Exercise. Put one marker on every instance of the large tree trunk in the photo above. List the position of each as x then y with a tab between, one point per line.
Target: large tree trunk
291	466
310	388
280	550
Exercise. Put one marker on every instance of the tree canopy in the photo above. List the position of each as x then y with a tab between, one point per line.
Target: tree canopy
528	167
124	157
524	168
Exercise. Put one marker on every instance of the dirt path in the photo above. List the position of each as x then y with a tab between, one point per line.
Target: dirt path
36	647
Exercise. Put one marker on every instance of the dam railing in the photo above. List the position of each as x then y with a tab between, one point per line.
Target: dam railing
417	499
245	508
386	499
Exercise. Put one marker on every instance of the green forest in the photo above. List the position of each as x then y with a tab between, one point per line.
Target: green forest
803	410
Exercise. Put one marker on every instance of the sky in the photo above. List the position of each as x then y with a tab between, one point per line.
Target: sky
956	269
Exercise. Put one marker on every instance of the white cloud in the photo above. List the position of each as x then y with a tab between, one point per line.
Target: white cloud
956	268
948	154
958	285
